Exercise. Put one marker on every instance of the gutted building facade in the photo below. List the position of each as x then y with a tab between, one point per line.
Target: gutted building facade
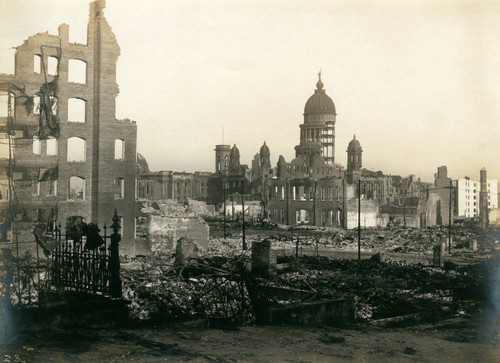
173	185
69	155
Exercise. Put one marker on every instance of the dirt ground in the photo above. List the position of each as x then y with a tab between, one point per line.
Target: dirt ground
453	341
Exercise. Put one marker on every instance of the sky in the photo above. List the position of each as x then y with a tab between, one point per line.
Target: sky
416	81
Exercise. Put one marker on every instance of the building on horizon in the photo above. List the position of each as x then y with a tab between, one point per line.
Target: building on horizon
468	193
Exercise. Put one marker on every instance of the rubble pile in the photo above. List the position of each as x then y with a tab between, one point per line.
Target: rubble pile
161	289
384	290
392	239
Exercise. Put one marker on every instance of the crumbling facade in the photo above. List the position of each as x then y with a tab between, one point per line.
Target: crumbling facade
69	155
173	185
230	177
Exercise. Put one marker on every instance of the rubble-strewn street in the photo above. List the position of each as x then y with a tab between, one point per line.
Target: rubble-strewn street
451	341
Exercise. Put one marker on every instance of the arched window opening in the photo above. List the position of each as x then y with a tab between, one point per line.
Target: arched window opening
77	71
119	149
302	216
76	110
76	149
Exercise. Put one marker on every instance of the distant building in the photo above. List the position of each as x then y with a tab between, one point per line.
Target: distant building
468	191
171	185
310	188
230	176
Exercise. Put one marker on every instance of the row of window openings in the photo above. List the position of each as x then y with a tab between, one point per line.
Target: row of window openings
76	148
299	193
468	196
77	68
307	170
76	107
76	188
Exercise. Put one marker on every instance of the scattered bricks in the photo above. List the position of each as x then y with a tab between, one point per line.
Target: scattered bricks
438	255
263	258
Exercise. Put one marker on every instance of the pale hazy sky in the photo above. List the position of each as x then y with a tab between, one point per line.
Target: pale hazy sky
417	81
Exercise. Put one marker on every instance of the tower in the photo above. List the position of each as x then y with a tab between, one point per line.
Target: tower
354	160
317	133
265	156
222	158
234	161
483	199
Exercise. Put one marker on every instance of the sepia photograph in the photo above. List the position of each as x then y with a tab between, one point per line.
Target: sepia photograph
249	181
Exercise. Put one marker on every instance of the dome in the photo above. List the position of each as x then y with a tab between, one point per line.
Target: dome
264	150
319	102
354	144
142	164
234	151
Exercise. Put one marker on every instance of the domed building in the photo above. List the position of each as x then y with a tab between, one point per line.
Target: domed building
354	164
317	133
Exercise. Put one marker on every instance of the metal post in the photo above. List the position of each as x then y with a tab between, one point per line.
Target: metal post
243	219
297	248
344	214
404	213
17	264
224	196
449	220
359	219
232	207
114	262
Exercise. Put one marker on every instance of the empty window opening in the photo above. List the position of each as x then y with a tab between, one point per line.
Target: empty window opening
76	188
302	216
36	105
77	71
52	66
4	151
36	187
119	188
52	188
51	146
76	149
36	146
53	102
7	61
37	63
119	149
4	103
76	110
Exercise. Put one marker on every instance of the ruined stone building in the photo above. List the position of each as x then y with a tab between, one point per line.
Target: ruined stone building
261	174
231	178
310	188
69	155
173	185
